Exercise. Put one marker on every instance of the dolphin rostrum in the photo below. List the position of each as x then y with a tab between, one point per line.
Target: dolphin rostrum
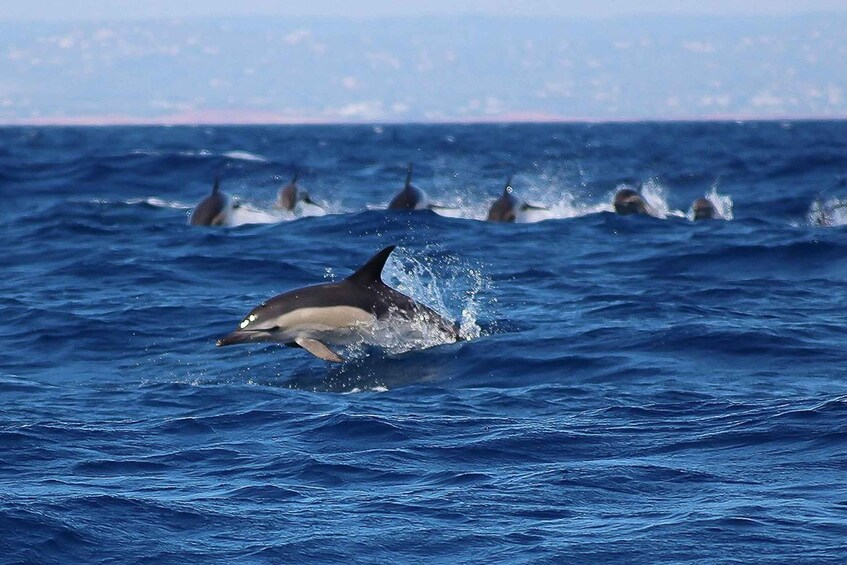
319	317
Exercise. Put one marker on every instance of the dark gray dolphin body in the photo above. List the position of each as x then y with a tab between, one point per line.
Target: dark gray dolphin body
339	313
628	202
410	198
508	207
212	210
703	209
291	194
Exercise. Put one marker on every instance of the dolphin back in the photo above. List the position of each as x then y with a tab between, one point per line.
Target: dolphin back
288	196
503	209
210	211
410	198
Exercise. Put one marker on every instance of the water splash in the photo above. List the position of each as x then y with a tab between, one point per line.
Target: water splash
831	212
722	203
655	196
447	285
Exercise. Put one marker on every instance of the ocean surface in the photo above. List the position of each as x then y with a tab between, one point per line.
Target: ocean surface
632	389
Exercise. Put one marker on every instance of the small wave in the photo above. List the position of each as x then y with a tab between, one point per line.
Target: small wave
245	156
236	154
157	203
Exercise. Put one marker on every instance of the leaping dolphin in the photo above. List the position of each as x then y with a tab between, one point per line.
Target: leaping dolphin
319	317
508	208
212	210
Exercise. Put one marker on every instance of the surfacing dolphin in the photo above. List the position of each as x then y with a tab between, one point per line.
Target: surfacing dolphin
703	209
628	202
320	317
509	208
291	194
212	210
412	197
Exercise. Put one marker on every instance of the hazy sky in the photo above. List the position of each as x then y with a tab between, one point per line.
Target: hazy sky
64	10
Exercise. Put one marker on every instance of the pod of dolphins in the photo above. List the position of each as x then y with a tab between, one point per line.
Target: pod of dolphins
214	208
325	317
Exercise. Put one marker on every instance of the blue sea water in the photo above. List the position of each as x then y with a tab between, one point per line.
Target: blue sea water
633	389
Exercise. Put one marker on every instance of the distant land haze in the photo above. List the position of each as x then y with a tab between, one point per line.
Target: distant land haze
423	69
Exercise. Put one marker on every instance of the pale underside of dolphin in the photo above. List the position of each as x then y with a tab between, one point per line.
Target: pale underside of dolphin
322	317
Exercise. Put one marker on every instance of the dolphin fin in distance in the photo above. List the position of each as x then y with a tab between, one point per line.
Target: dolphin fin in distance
408	176
216	188
318	349
371	272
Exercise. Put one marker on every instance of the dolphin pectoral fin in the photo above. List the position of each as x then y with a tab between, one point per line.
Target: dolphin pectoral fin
318	349
435	207
527	207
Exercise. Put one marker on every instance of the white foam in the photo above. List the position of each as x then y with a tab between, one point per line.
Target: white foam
244	156
246	213
831	212
654	195
447	285
160	203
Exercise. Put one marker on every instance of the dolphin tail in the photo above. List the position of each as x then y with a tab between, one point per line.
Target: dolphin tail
371	272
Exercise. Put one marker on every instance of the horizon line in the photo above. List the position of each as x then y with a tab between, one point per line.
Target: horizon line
190	120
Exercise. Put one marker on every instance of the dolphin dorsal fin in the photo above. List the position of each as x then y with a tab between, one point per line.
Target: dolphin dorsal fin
371	272
508	188
216	188
408	177
294	178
